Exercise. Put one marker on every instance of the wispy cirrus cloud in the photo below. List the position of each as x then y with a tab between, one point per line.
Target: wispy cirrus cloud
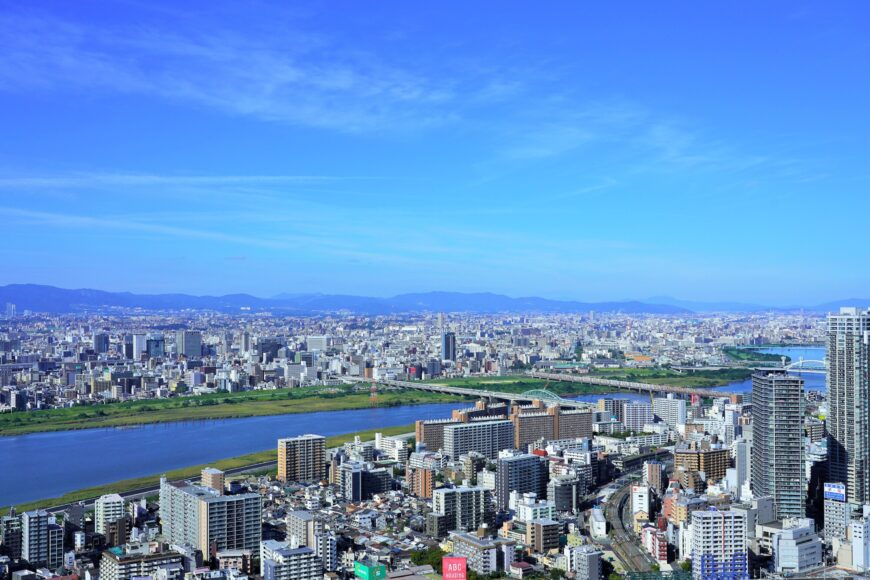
279	74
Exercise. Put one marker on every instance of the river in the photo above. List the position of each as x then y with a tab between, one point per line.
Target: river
812	381
43	465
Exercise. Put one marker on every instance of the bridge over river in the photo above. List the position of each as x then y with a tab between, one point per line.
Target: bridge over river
541	394
634	386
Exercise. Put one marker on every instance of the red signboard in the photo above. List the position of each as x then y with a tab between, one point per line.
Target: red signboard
453	568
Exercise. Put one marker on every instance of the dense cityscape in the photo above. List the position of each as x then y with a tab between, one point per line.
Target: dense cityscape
748	471
341	290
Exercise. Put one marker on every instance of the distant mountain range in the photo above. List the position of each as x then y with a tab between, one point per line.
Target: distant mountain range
42	298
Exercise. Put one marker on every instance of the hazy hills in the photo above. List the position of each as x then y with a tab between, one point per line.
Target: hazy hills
59	300
43	298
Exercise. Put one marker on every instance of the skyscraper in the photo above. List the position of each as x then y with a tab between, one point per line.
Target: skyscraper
849	400
448	346
188	343
778	446
302	458
101	342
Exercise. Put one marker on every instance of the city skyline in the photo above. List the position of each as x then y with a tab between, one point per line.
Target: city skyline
386	150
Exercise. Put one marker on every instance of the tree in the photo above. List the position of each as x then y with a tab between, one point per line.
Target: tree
431	556
556	573
686	565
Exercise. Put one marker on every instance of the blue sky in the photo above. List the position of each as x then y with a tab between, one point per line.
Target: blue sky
588	151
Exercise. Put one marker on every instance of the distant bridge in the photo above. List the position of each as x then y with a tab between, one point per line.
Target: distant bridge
808	366
633	386
527	397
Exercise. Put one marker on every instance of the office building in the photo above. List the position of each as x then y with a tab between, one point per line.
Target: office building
796	548
129	562
719	545
860	534
188	343
100	342
485	437
670	410
848	385
520	473
459	508
448	346
108	509
155	347
201	517
778	443
566	492
139	346
278	561
836	511
302	458
213	478
41	540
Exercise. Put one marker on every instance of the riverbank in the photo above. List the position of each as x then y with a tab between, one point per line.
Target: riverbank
250	459
663	376
213	406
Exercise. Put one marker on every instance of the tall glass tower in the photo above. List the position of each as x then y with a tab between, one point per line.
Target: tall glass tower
849	401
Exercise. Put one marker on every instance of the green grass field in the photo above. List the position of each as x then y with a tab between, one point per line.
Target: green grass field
194	471
659	376
216	406
519	384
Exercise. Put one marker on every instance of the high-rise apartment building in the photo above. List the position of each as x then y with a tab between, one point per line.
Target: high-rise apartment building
848	382
670	410
206	520
302	458
635	415
778	444
188	343
484	437
108	509
713	460
41	540
719	545
303	527
459	508
519	472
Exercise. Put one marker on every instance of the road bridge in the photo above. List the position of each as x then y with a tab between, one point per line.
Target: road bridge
634	386
526	397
